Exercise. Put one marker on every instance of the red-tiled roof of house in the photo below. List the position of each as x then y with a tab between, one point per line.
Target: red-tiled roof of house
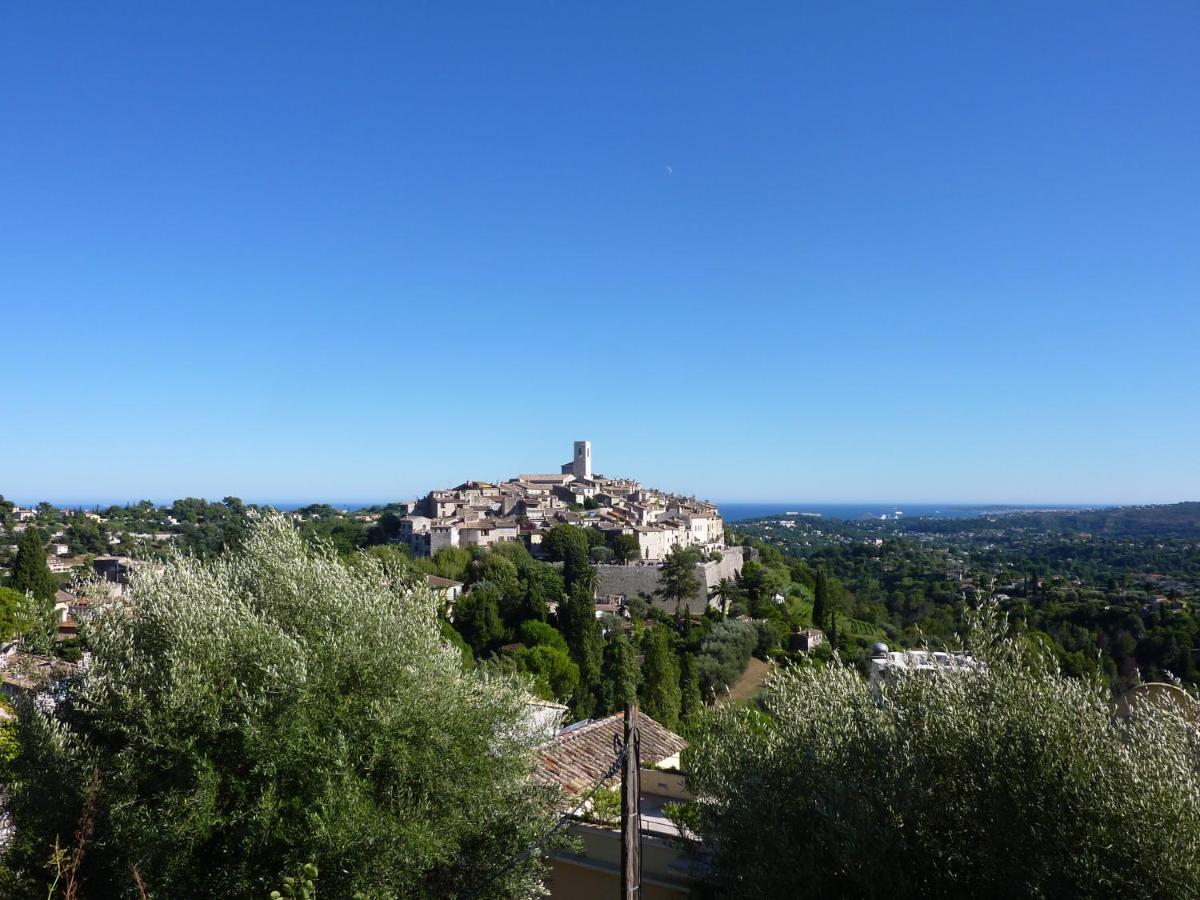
576	759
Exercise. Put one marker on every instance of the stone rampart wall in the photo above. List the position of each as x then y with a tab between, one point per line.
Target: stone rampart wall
644	579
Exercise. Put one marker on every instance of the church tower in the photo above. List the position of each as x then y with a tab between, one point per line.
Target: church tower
582	464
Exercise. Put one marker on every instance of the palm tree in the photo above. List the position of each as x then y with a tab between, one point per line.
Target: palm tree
725	590
588	580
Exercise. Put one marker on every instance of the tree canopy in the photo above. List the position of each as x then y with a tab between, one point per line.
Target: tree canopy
30	573
660	677
679	581
15	614
270	708
1009	779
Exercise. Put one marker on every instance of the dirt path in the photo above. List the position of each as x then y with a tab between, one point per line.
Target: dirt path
750	683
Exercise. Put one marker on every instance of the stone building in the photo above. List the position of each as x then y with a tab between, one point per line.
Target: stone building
581	463
479	513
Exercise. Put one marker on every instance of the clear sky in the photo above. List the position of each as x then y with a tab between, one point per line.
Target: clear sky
835	251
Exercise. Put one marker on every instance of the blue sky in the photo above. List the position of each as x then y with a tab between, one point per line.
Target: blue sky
842	252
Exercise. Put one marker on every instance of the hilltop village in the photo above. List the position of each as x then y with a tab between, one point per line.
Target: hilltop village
478	513
639	526
633	529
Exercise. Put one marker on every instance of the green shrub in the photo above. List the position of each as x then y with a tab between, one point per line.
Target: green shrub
1010	780
724	654
555	674
768	638
274	708
534	634
605	808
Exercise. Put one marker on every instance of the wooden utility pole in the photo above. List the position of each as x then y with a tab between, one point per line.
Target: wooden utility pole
631	820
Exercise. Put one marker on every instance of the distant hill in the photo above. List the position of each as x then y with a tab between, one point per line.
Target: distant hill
1175	520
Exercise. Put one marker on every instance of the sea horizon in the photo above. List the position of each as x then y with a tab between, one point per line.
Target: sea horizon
742	512
731	510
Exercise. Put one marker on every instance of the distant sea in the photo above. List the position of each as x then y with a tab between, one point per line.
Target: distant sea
741	512
735	512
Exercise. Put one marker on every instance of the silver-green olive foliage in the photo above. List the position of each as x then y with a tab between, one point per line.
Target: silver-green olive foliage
1005	780
271	708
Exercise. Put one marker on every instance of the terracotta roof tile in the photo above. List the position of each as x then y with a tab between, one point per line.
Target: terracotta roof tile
575	760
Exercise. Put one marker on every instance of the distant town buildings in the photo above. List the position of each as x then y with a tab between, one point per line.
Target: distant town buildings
480	514
886	664
638	529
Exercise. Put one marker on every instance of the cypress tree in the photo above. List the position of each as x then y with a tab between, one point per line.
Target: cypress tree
618	675
30	572
820	598
577	622
660	678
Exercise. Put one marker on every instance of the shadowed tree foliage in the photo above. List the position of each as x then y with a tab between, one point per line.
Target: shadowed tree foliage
690	699
820	599
477	617
625	548
555	675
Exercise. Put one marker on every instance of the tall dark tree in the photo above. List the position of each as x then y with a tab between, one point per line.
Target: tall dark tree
577	621
477	617
660	678
619	675
582	577
543	584
571	545
820	598
30	572
501	572
626	548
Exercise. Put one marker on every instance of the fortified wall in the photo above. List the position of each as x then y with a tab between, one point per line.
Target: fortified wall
643	578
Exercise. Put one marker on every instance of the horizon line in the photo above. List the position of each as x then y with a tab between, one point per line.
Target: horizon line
361	502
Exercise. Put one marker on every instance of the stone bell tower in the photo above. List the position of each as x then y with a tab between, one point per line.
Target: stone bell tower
582	463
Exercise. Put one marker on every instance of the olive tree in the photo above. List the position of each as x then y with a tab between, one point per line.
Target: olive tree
1005	779
269	709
